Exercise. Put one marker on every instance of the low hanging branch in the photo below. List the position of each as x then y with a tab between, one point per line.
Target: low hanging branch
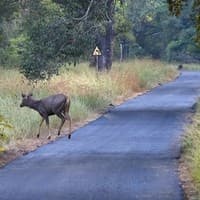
86	13
175	6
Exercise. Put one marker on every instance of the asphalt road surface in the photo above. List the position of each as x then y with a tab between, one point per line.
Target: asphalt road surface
130	153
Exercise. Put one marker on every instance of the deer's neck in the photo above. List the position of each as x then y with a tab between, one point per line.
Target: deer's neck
34	104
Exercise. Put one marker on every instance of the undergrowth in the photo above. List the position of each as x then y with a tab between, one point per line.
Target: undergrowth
191	149
89	92
194	66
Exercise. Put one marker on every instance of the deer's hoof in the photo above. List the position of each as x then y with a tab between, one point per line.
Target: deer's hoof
49	137
69	136
58	133
38	135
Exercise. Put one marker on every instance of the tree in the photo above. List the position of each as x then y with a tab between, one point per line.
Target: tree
7	8
147	17
176	6
99	16
123	35
161	35
53	37
61	31
105	40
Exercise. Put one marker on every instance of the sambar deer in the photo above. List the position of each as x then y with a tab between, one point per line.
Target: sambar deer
58	104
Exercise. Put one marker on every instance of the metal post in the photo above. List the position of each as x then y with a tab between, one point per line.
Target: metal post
97	63
121	52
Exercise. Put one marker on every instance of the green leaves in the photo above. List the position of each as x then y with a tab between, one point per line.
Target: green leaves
161	35
7	8
4	125
54	37
176	7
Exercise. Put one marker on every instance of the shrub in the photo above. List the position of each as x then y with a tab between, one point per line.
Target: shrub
89	93
4	125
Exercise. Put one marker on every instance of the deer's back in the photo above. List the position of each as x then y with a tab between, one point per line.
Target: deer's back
54	103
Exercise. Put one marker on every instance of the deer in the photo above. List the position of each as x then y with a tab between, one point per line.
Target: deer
180	67
58	104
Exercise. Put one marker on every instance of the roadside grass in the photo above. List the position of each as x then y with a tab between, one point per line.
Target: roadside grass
89	92
191	152
193	66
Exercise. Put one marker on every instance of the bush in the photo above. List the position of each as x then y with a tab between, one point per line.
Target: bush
89	93
191	149
4	125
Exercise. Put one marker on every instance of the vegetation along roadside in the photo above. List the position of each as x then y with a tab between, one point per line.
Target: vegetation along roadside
90	94
190	161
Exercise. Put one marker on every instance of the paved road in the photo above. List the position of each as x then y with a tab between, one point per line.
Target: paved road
130	153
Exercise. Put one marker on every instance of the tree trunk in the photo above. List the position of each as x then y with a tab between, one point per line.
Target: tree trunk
109	46
105	41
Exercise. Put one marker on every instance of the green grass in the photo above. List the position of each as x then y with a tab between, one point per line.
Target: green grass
191	149
193	66
79	109
89	93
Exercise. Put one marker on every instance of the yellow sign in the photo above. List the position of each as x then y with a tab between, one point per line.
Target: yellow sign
96	52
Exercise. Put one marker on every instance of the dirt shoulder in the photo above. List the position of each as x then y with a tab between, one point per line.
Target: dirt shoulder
190	191
24	146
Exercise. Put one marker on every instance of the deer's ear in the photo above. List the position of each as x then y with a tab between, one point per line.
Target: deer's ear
23	95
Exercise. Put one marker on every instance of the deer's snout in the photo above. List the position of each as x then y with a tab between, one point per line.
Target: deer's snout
21	105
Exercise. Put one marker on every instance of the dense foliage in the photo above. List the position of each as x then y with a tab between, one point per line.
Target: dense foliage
55	35
3	136
7	8
39	36
176	6
160	35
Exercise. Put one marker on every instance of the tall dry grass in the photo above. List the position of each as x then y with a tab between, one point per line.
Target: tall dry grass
89	92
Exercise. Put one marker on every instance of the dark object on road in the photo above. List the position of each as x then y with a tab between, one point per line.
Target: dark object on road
180	67
58	104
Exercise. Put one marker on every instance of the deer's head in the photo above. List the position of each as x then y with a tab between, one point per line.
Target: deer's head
25	99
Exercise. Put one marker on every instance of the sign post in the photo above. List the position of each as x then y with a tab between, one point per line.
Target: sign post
97	53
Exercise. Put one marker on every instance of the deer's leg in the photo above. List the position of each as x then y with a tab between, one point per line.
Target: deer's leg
62	117
38	135
61	125
67	117
47	123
